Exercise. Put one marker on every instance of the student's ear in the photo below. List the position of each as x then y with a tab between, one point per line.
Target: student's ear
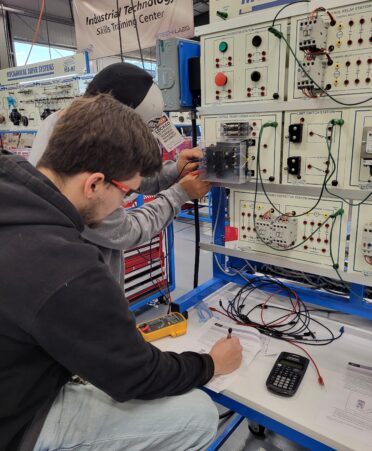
93	185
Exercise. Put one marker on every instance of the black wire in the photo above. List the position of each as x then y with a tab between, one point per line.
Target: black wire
286	6
196	208
138	38
120	42
295	329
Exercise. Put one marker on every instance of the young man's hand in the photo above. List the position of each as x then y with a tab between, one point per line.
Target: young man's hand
185	163
194	186
227	355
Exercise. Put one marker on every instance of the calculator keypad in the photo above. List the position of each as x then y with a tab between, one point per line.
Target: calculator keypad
284	379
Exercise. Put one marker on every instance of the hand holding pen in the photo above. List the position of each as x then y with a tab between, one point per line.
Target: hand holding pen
226	354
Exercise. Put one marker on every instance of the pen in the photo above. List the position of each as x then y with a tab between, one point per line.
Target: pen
363	367
229	332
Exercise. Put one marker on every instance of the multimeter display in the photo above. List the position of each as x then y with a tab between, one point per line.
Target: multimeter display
287	373
173	324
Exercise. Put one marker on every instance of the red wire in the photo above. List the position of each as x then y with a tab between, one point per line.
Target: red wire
285	317
320	378
36	30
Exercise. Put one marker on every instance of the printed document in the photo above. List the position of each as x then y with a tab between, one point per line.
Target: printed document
211	332
347	405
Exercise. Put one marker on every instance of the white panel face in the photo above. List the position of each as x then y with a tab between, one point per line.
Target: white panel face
360	175
349	45
317	247
270	148
243	65
360	258
312	150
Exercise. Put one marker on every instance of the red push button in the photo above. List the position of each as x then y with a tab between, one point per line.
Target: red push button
220	79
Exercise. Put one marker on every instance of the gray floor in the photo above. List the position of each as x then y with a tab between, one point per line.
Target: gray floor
242	439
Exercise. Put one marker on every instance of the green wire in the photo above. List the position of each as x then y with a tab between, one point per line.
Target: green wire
332	122
280	35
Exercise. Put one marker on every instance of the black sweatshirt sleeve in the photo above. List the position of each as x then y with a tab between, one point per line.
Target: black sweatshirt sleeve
87	328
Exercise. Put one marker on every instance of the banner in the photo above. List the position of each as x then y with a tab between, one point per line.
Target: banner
67	66
97	24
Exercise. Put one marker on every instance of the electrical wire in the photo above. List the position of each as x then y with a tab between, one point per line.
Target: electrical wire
330	125
280	35
294	324
47	29
36	31
119	30
138	38
259	177
286	6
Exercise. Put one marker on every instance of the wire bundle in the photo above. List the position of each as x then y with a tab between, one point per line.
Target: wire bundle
293	321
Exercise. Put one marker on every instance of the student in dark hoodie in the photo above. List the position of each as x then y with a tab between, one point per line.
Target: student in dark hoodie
62	312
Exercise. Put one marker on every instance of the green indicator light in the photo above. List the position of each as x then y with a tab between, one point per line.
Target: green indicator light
223	46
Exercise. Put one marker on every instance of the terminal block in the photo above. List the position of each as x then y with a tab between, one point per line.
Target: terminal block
367	240
313	34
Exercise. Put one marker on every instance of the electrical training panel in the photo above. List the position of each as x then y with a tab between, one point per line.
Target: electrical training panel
291	136
243	65
335	48
305	238
360	257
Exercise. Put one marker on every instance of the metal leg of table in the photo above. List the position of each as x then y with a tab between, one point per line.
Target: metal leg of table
225	434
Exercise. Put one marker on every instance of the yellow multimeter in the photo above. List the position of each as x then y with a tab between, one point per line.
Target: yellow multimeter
173	324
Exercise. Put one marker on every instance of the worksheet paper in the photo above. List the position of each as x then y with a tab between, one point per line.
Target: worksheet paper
211	332
347	405
269	346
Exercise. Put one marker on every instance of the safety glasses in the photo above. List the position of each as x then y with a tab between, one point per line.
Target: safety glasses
123	188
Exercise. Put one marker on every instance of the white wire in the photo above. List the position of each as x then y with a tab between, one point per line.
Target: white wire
235	271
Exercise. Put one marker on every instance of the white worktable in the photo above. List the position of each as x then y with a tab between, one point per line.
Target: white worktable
301	411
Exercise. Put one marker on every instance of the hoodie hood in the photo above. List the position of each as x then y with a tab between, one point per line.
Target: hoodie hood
42	202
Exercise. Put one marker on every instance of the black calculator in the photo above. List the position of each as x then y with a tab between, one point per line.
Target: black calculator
287	373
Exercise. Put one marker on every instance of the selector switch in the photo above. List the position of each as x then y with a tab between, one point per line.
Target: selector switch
223	46
220	79
255	76
256	40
